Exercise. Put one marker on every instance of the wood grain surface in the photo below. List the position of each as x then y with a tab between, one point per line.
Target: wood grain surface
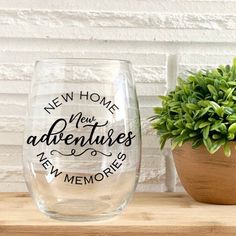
148	214
209	178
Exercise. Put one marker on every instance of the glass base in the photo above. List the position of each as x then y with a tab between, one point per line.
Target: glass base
81	210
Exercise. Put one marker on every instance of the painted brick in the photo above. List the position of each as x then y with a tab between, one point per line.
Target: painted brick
116	19
148	74
194	62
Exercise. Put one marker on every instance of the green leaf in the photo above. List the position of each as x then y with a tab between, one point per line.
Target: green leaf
189	125
191	106
233	75
174	104
196	114
179	123
184	132
227	149
203	112
214	105
220	71
164	98
203	103
216	136
231	118
232	128
220	111
192	78
196	143
206	132
216	126
177	141
184	108
216	145
188	118
231	136
204	124
186	89
210	81
193	134
176	132
223	128
228	93
208	144
169	124
174	144
196	126
212	89
158	110
233	83
228	110
163	139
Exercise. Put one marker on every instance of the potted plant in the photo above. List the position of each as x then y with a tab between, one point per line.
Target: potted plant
199	117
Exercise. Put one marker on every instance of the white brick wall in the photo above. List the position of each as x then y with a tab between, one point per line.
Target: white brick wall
161	38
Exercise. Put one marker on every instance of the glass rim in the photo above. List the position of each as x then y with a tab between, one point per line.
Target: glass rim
82	61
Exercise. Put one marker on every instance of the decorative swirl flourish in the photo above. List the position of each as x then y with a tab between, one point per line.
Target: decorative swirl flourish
73	152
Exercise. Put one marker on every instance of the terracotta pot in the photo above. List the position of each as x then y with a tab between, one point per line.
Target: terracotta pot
209	178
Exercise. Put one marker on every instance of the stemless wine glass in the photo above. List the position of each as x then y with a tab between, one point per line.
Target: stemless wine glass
82	138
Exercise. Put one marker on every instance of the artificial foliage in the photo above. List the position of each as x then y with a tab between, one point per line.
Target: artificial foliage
201	110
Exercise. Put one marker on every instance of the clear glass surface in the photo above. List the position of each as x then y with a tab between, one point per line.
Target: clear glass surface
82	138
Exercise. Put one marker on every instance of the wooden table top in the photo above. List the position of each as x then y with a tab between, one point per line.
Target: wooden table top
148	214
